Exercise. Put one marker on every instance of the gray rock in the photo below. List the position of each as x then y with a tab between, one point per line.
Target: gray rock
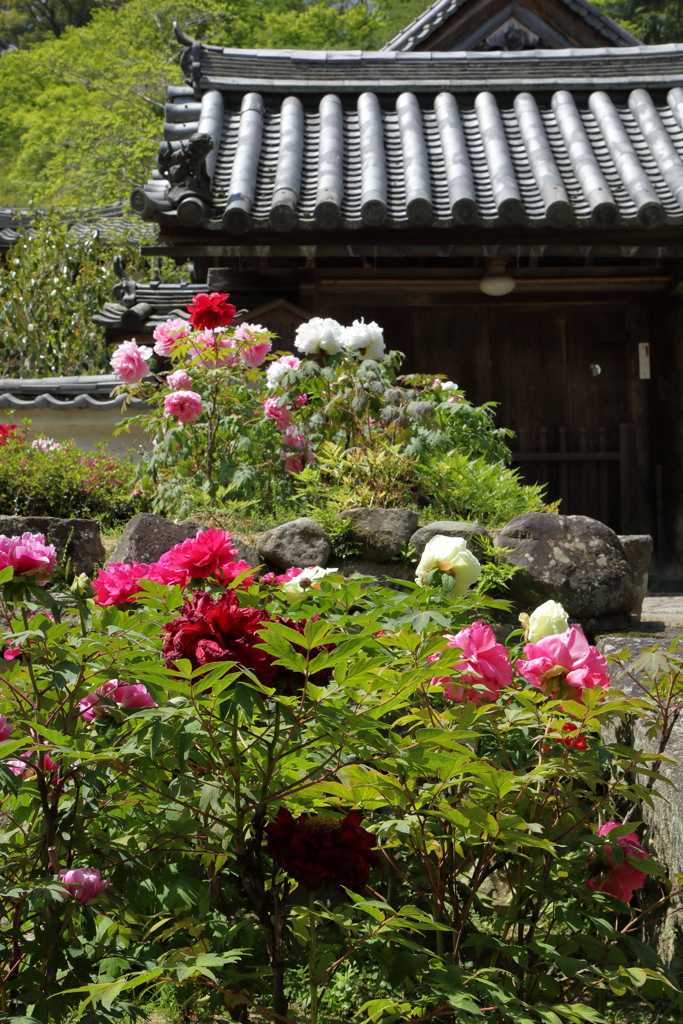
469	532
147	537
77	541
574	560
301	542
382	532
246	551
664	821
638	550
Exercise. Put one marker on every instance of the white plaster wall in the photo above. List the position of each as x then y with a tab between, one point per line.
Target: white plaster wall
87	427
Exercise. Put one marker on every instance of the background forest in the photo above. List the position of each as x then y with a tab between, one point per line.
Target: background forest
82	81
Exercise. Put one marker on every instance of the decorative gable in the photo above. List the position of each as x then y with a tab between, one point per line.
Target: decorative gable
510	25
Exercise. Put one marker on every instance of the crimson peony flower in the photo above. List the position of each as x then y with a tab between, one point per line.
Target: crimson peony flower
119	582
484	662
83	883
564	664
320	850
619	881
209	311
28	555
8	430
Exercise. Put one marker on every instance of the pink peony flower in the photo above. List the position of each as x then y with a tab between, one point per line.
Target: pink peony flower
564	664
130	361
28	555
485	662
620	881
168	333
25	764
83	883
280	414
186	405
210	553
10	653
179	380
6	729
212	350
256	347
128	695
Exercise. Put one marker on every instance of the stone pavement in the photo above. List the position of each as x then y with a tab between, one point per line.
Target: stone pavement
662	615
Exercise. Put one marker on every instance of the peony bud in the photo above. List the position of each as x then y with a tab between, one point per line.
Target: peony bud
82	587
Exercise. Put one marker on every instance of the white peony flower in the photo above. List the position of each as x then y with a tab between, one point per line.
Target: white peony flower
547	620
448	385
368	339
318	334
311	574
451	555
278	370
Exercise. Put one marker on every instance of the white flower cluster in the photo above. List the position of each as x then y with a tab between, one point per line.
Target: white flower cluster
311	575
328	336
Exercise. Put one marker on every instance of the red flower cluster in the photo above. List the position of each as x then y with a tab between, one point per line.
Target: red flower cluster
209	311
210	630
320	850
8	430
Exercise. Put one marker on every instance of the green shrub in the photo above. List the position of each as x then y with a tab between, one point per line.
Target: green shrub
67	482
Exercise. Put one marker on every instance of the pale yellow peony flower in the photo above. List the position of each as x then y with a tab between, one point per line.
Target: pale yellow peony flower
451	555
547	620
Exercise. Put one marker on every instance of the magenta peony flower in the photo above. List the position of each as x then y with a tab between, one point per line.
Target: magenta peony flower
485	662
128	695
210	553
168	333
130	361
256	347
25	764
119	582
6	729
209	311
83	883
619	881
179	380
186	405
564	664
281	415
28	555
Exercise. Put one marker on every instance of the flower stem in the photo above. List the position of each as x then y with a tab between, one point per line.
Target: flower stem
311	961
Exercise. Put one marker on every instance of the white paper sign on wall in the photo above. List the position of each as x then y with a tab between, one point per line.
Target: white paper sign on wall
644	360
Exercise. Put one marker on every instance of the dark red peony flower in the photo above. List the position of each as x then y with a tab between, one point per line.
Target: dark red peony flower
320	850
209	311
211	630
8	430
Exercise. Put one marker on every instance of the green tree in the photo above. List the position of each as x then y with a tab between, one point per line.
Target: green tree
657	21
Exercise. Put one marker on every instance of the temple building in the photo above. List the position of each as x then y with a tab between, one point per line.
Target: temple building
500	187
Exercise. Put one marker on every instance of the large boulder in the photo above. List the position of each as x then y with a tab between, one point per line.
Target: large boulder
301	542
575	560
638	550
470	532
77	541
147	537
382	532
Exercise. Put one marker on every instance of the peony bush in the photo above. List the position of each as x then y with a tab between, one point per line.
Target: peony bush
239	426
235	794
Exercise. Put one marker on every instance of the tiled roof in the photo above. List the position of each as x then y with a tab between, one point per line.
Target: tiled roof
422	27
63	393
147	305
107	221
426	139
